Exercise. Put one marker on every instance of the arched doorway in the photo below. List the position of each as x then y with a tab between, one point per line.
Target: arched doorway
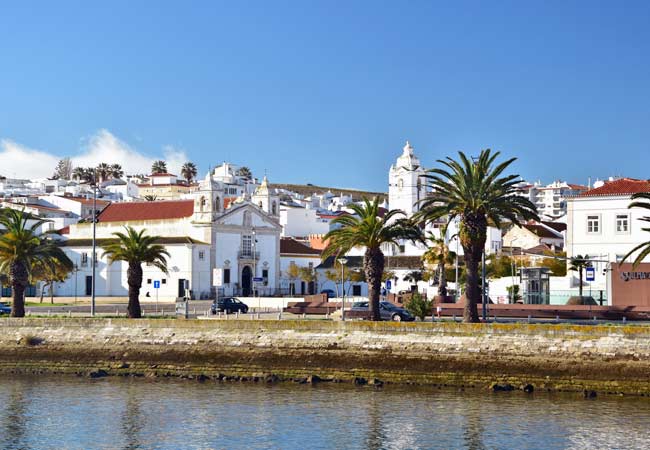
246	281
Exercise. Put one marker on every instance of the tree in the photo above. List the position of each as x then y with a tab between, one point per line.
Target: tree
643	248
86	174
366	229
419	306
50	272
135	247
21	249
63	170
578	264
440	256
159	166
476	192
308	275
334	275
189	171
556	263
245	173
103	171
115	171
151	197
293	272
513	293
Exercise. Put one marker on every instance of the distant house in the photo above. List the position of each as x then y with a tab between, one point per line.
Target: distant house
533	234
293	252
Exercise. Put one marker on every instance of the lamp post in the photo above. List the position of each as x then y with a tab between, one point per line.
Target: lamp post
94	255
342	262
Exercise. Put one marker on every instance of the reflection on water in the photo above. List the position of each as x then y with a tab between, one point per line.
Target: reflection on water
69	413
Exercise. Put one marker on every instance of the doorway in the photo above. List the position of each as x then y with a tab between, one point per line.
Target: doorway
246	281
89	285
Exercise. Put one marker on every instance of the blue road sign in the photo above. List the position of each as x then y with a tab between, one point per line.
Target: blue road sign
388	284
258	279
590	273
156	284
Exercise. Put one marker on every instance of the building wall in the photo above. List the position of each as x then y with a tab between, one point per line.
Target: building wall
301	222
300	261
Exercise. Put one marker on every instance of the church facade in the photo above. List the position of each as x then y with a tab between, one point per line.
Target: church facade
236	232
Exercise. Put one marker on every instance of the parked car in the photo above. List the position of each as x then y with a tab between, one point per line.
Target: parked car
4	309
387	311
330	293
229	305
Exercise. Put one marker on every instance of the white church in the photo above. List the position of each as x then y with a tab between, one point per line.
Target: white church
217	227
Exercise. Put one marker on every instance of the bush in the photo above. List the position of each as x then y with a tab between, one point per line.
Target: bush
418	306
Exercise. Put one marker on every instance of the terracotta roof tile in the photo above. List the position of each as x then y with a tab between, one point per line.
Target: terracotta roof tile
622	186
293	247
160	210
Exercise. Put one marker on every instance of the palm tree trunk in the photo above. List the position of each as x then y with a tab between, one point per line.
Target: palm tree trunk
19	281
472	236
580	282
442	281
134	279
373	266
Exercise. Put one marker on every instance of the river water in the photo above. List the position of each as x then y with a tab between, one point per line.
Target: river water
111	413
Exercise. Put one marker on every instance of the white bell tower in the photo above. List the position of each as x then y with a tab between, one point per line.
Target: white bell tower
405	185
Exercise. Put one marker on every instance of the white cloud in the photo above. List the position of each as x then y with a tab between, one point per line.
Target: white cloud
19	161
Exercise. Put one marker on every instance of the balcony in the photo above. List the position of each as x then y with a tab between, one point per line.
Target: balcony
248	255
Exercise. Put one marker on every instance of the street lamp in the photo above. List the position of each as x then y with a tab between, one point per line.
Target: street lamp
94	256
342	262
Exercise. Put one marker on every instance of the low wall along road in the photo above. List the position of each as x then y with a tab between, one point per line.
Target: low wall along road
612	359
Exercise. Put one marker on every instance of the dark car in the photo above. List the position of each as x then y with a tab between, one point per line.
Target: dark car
4	309
229	305
330	293
387	311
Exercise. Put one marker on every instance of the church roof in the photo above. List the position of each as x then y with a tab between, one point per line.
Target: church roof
156	210
407	159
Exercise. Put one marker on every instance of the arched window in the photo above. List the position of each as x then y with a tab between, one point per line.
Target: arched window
202	203
274	208
217	206
400	184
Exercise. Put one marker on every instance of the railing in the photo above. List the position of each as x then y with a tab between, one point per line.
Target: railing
247	254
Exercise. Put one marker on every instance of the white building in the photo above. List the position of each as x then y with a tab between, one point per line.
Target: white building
298	221
405	184
201	234
550	200
600	224
294	253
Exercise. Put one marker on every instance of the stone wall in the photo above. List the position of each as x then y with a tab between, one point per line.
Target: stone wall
557	357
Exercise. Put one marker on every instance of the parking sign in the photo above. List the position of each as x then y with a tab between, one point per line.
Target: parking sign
156	284
590	273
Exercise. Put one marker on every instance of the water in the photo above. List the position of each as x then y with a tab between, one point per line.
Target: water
71	413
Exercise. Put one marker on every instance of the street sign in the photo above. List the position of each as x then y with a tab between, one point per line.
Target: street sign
388	284
590	273
258	279
217	277
156	284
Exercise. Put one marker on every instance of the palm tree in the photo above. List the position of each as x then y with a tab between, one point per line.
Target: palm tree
21	249
366	229
476	193
80	173
103	171
188	171
136	248
645	246
159	166
439	255
116	171
150	197
245	172
578	264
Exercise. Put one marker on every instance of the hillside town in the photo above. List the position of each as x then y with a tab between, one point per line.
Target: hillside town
231	233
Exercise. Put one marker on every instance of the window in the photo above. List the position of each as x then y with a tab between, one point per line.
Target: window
226	276
356	290
201	255
164	281
247	245
622	223
84	259
593	224
265	275
148	280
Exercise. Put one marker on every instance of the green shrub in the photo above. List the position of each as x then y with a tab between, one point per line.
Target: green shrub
419	306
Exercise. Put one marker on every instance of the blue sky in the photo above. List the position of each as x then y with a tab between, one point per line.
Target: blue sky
327	92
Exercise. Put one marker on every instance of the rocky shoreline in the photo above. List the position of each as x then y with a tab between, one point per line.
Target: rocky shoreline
598	359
